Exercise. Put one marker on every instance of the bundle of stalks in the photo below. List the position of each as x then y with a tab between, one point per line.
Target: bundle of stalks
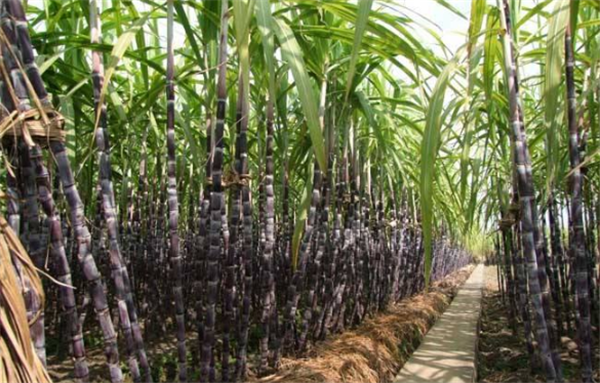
18	360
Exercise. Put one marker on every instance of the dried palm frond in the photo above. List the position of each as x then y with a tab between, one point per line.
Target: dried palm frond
18	360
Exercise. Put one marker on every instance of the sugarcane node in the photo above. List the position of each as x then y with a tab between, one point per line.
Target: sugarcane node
233	178
347	197
506	223
31	126
209	182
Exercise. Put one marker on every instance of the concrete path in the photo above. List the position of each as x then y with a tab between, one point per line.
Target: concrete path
447	353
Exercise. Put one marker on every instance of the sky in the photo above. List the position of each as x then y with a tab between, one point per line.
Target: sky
452	28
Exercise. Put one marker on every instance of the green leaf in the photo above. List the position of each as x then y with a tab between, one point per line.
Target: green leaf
183	19
364	8
299	225
193	142
476	19
43	67
117	103
490	49
574	11
292	54
118	51
265	26
451	8
242	10
555	47
429	152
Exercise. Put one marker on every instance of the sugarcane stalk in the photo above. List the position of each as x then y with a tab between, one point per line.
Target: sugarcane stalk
127	310
231	256
526	201
203	243
297	283
174	251
332	240
20	99
217	203
576	215
13	77
35	247
26	49
86	259
562	304
243	196
322	213
247	251
62	265
268	302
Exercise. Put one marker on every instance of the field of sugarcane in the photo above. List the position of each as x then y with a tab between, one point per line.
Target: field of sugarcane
200	190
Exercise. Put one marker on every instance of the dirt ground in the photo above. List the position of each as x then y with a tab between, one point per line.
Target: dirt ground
503	357
372	352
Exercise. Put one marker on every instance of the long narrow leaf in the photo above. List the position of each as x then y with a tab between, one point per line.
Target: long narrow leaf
364	8
292	53
429	151
554	57
117	54
265	26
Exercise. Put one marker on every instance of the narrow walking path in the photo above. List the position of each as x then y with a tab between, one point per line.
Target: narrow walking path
447	353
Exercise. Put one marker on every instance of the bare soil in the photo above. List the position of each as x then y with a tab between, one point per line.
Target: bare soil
372	352
503	357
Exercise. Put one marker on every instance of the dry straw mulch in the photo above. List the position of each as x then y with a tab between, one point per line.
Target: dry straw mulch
377	349
18	360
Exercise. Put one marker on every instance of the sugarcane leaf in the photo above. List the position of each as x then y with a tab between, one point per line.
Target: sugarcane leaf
300	220
476	20
242	10
534	11
117	103
554	58
118	51
193	142
292	54
574	12
429	152
451	8
364	8
490	49
185	22
265	26
43	67
552	82
369	113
